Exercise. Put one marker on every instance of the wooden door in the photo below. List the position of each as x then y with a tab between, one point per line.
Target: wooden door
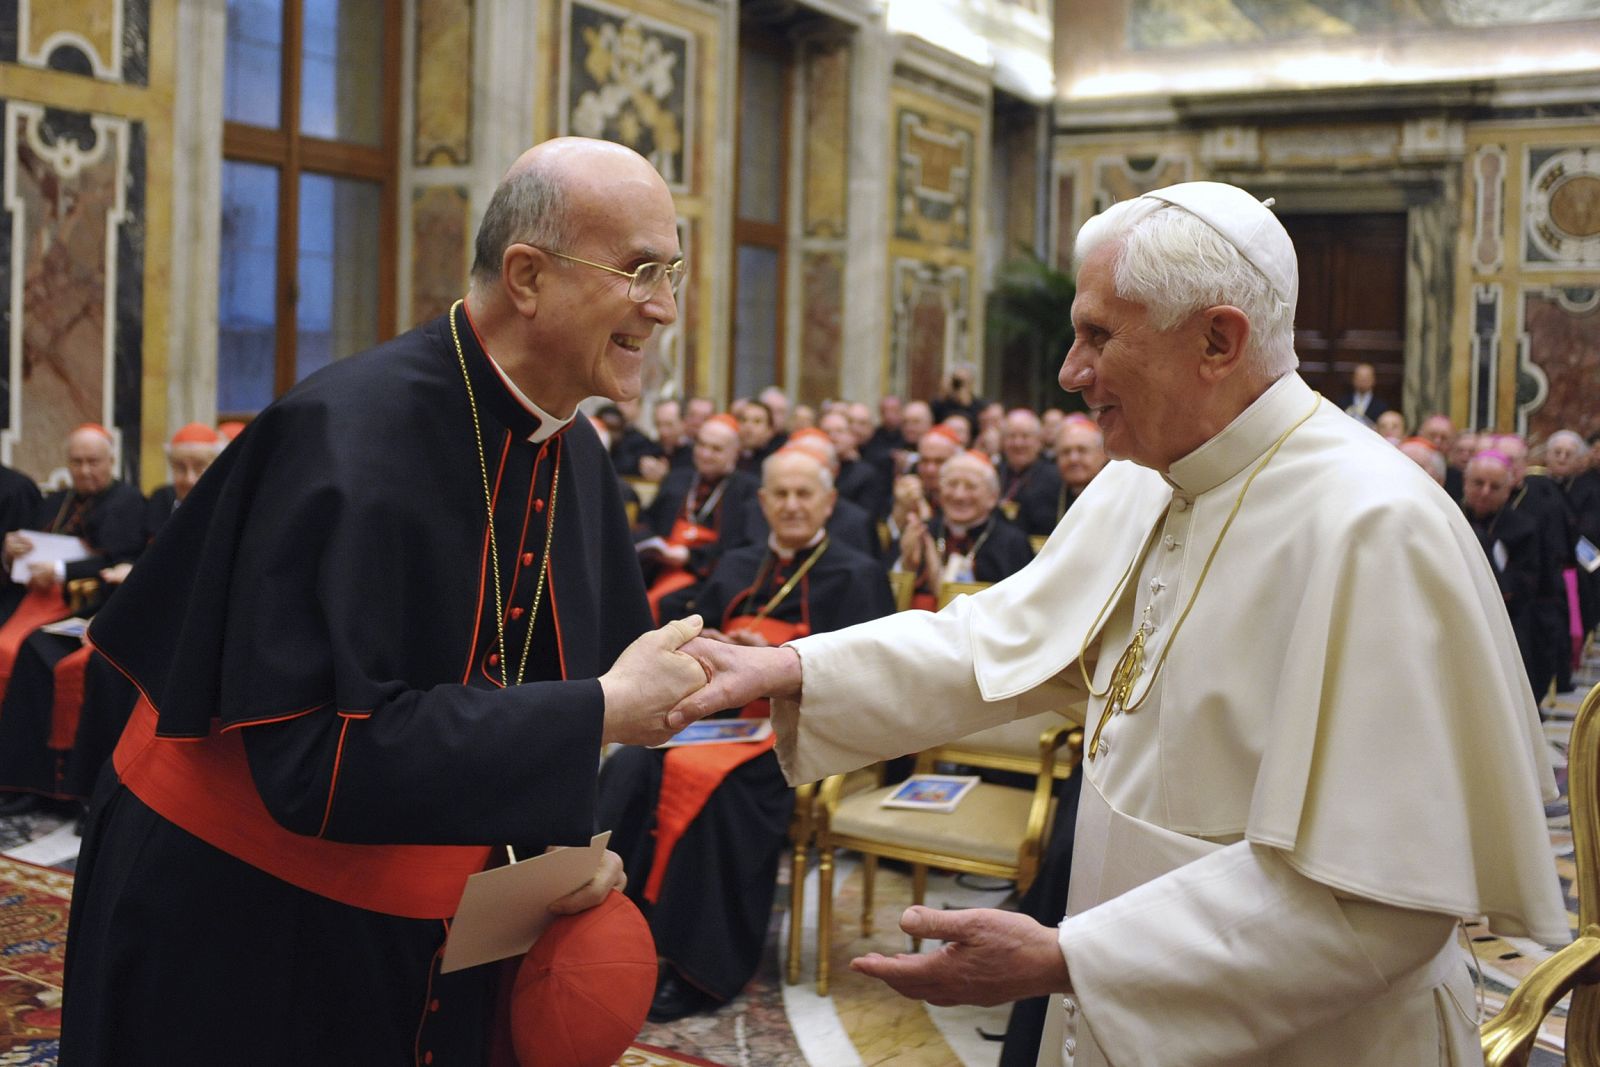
1352	301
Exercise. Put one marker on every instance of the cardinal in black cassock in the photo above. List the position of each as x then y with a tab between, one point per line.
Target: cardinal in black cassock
327	746
702	829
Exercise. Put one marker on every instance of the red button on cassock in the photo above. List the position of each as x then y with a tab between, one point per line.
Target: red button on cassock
516	613
494	659
527	559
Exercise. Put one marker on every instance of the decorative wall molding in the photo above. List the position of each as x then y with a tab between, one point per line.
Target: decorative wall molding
1558	359
1484	370
1489	208
930	331
1124	177
1561	208
1231	146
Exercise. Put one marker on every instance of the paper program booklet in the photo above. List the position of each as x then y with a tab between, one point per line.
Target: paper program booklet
73	627
931	792
721	731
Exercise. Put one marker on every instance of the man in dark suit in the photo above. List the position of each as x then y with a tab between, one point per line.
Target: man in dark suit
1362	403
860	481
1517	552
697	513
1029	483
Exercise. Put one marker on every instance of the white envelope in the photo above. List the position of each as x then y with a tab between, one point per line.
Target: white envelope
503	911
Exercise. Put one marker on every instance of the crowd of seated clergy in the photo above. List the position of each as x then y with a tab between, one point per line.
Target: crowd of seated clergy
701	829
62	705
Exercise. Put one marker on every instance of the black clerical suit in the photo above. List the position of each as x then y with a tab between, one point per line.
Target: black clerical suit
1031	494
848	525
1002	549
19	500
1518	553
864	484
1583	501
35	755
1540	500
683	495
321	611
715	897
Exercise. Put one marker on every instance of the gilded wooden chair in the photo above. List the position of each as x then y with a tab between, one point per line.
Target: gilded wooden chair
948	591
902	584
1036	542
1508	1037
996	830
643	488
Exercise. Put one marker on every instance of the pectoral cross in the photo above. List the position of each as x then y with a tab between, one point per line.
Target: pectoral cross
1129	666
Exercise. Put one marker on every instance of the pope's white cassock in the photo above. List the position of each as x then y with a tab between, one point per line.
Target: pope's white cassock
1338	757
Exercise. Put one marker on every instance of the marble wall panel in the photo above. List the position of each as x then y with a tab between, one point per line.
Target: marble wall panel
1125	177
1561	209
440	249
1560	339
107	39
930	327
821	326
75	190
827	136
630	79
1431	240
934	173
443	83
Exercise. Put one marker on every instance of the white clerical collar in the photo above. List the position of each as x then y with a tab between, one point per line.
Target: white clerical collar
1360	400
1245	439
549	425
786	554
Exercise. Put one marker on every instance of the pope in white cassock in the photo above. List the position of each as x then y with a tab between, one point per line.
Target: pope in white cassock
1290	795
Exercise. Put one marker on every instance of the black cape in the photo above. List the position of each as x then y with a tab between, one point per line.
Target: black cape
710	918
332	560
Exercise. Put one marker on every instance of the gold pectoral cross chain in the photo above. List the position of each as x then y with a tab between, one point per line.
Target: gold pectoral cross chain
1129	666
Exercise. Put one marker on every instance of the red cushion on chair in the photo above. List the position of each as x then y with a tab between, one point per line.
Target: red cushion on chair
584	987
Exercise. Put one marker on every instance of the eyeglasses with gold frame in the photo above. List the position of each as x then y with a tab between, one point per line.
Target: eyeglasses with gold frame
643	280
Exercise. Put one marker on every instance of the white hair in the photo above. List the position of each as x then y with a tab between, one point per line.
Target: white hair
965	460
824	475
1175	264
1572	437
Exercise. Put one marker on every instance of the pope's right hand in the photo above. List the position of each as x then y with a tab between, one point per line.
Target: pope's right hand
647	681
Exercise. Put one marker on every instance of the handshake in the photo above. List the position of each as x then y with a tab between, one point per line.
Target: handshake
673	676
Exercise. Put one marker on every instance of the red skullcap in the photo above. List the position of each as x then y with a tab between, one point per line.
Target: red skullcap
946	432
723	420
230	429
195	433
583	989
97	428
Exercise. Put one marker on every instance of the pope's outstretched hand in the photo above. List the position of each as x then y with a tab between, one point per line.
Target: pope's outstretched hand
649	679
738	674
988	957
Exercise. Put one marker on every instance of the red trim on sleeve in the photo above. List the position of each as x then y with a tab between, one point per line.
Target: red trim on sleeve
333	779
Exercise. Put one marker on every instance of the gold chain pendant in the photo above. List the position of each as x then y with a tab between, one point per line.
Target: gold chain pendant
1130	665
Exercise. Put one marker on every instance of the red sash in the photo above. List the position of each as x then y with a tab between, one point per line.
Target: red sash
690	775
685	534
925	602
35	610
67	704
204	786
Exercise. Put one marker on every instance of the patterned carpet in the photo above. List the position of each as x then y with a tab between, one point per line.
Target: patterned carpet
33	939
